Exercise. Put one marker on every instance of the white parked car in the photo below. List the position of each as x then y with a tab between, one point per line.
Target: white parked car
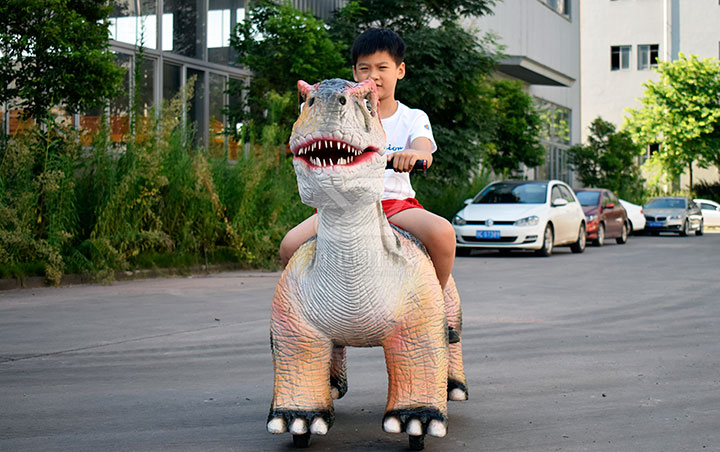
635	215
532	215
710	212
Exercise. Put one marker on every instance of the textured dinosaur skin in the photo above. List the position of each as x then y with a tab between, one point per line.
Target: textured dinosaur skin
360	282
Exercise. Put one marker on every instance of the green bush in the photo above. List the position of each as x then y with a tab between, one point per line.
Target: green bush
153	201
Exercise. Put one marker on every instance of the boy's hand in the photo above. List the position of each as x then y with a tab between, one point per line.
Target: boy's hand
403	161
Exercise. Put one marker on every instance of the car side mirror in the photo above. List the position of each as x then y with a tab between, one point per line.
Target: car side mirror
559	202
468	201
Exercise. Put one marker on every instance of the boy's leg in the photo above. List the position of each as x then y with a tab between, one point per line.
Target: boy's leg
296	237
436	233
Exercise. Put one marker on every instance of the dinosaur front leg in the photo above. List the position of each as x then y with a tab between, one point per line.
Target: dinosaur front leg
457	384
338	372
417	363
301	360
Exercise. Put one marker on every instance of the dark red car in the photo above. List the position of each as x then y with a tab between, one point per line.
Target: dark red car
606	217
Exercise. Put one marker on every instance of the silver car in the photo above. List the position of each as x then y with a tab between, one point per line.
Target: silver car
673	214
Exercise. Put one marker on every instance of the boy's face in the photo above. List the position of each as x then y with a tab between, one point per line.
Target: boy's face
382	69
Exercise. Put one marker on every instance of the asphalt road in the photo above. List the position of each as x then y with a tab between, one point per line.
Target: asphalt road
616	349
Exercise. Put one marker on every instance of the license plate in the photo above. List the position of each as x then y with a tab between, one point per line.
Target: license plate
655	224
487	234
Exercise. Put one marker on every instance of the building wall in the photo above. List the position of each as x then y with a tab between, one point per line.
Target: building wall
690	27
549	41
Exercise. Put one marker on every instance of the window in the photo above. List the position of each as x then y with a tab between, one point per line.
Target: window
648	56
556	193
559	6
183	25
619	57
566	193
133	21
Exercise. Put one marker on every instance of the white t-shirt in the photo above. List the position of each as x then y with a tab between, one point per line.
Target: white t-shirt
401	129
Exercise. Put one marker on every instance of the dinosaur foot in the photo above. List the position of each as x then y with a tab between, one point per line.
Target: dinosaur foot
416	422
338	387
300	422
457	391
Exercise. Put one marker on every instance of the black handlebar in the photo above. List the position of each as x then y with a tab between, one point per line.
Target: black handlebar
420	165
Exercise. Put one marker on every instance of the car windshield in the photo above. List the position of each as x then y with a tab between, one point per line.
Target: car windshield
666	203
588	198
513	193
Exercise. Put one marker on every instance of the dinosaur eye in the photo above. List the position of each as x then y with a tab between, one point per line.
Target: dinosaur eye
368	105
342	100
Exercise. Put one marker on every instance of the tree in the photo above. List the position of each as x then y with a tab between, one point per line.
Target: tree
282	45
516	137
55	52
608	161
447	73
681	111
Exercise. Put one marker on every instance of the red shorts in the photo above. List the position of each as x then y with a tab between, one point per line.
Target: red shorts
393	206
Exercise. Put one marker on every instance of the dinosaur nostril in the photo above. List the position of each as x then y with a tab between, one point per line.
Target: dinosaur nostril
342	100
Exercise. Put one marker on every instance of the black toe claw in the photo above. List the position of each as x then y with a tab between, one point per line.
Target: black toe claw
422	414
340	384
290	415
454	384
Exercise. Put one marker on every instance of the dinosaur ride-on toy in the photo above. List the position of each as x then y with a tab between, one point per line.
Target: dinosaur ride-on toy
360	282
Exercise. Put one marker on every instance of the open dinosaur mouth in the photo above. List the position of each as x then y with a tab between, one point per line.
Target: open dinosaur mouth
326	152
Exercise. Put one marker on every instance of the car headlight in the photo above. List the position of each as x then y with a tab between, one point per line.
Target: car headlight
458	220
528	221
592	217
674	217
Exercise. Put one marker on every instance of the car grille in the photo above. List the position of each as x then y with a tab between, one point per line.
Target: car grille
499	223
651	218
470	238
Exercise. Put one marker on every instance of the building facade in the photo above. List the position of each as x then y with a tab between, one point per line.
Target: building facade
621	41
182	40
541	40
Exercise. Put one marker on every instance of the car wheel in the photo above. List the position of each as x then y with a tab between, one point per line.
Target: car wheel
701	229
631	228
600	241
579	246
623	235
685	229
462	251
548	239
655	233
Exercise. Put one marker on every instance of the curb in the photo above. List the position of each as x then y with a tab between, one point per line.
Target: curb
34	282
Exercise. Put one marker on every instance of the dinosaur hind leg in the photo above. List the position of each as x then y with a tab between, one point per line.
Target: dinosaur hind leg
457	383
338	372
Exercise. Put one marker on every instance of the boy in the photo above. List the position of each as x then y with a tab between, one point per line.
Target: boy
378	54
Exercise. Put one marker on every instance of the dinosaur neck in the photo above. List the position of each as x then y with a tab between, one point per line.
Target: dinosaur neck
353	238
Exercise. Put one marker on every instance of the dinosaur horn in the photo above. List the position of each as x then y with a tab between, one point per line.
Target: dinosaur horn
366	88
303	90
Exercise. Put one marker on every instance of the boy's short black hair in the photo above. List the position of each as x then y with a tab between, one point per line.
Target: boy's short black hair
376	40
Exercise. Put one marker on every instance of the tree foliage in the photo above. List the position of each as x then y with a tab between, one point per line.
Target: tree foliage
447	72
608	161
55	52
282	45
681	111
516	137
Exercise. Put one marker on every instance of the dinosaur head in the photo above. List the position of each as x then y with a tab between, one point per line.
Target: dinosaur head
338	144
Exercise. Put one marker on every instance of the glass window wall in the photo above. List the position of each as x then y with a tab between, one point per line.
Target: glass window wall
196	112
216	126
184	27
120	106
172	80
134	21
223	16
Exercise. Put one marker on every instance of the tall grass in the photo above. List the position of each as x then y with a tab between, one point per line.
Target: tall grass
154	200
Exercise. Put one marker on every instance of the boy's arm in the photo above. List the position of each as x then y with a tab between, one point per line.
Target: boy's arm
420	149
